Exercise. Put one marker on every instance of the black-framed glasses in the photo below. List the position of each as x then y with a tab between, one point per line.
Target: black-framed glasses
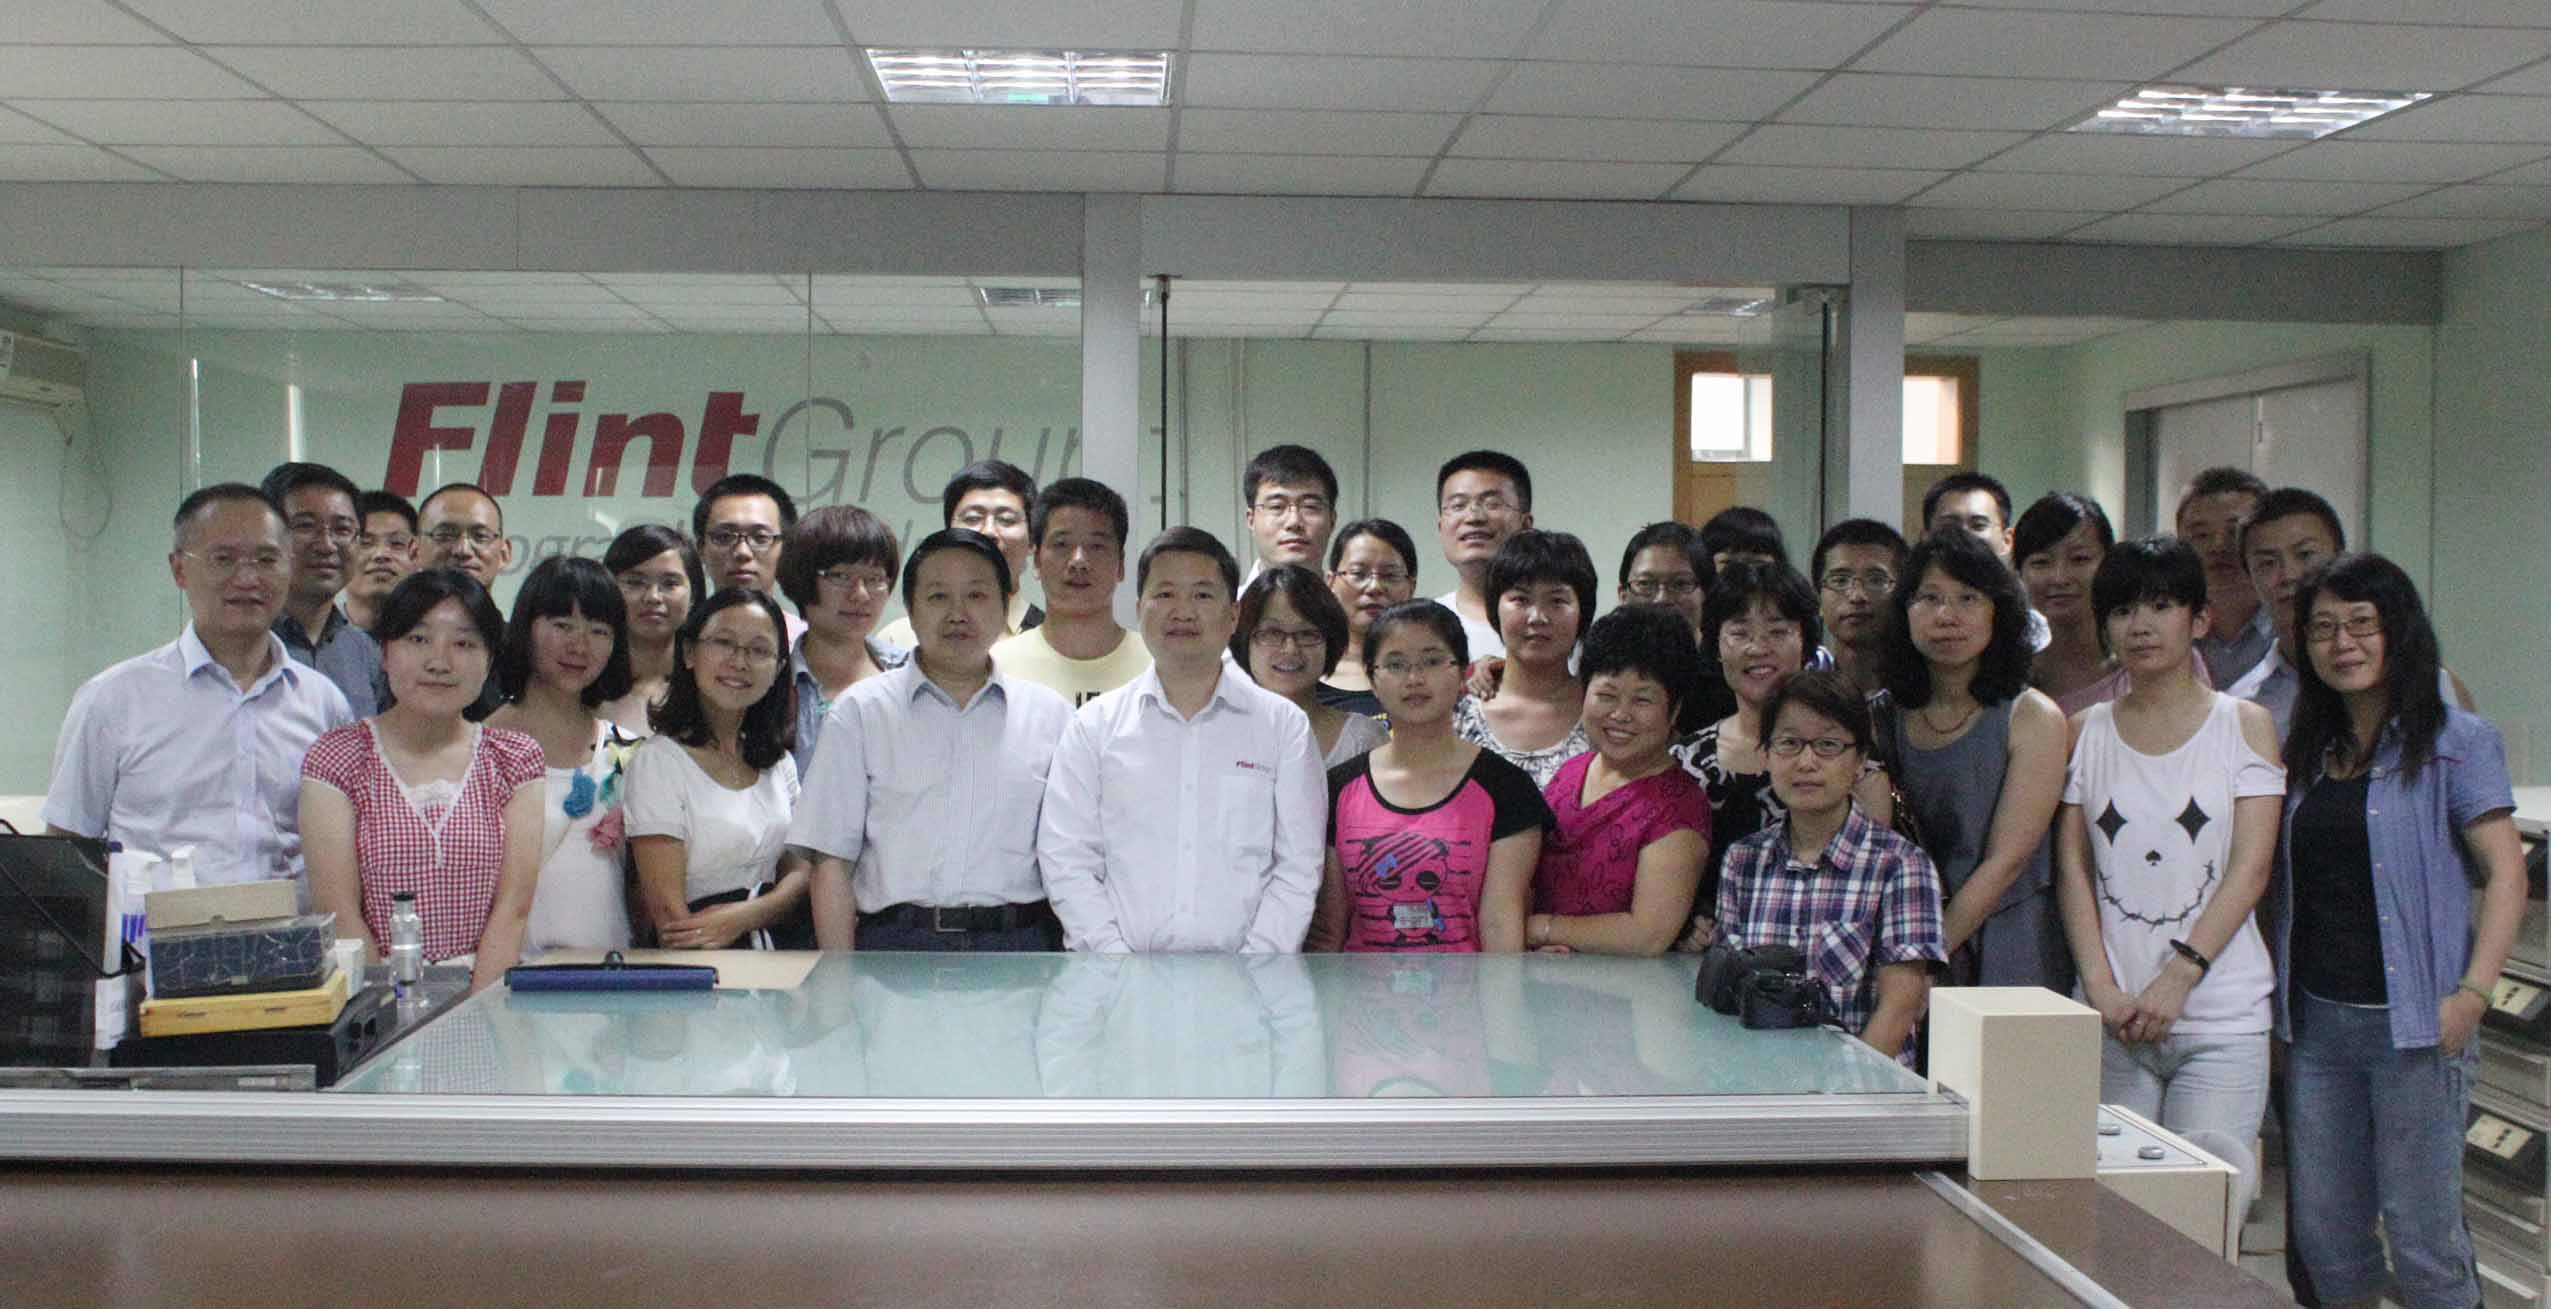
2322	631
759	539
1826	747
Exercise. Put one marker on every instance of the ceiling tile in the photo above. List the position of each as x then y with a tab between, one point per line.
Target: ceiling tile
437	277
1201	174
747	166
1989	225
693	22
68	163
100	72
833	293
1022	127
428	122
972	311
319	22
1040	170
2050	191
1555	180
525	166
2487	13
1305	82
1890	100
2524	81
1541	335
2465	118
522	296
2368	57
1499	136
268	163
20	129
1624	303
1327	333
1442	318
2247	196
1750	184
1312	131
1513	320
2089	45
2532	202
2190	229
209	122
769	126
1719	33
2148	156
633	323
975	328
2191	8
1004	25
1646	91
2395	161
70	22
1866	147
1443	28
373	73
1369	302
757	76
2409	233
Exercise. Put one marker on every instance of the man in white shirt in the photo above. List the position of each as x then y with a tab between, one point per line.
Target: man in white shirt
1185	810
199	742
921	806
1481	498
1080	651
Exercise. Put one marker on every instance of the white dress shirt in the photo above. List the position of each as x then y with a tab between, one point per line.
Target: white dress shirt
933	802
1164	833
164	750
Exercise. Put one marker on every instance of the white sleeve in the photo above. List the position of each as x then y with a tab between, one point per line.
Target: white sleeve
656	803
1071	848
1301	828
81	796
831	815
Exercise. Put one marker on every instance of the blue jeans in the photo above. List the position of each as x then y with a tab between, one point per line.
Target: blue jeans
2376	1133
2211	1089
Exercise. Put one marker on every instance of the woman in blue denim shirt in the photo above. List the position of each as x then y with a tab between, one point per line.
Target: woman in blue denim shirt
2396	807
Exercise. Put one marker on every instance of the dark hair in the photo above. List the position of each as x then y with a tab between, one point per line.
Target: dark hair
1487	461
956	538
1384	530
987	475
284	479
2153	568
1743	527
1828	692
1650	639
473	488
1079	493
1311	598
770	724
217	493
741	484
1672	535
2289	502
636	545
1855	531
1189	540
1748	582
1429	614
383	502
1538	556
2322	734
1290	465
1958	483
2002	671
834	534
419	592
556	587
2220	480
2053	518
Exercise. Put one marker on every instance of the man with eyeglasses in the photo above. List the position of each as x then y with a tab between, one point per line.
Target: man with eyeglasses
742	524
1856	565
1665	564
318	504
1482	497
998	499
1080	651
1289	496
199	742
385	552
463	527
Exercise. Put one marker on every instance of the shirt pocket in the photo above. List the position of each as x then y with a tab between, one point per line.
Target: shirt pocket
1838	958
1245	808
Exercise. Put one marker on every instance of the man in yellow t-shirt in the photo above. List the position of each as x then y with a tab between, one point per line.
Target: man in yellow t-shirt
1080	651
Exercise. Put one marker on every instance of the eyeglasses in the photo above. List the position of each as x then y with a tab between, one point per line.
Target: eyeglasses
1826	747
2322	631
448	536
1274	638
759	539
227	563
751	656
871	580
395	541
311	529
1362	576
1875	582
1492	503
1400	670
1649	588
1277	506
974	519
1965	602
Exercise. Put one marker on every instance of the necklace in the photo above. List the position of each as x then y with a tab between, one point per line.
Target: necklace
1924	713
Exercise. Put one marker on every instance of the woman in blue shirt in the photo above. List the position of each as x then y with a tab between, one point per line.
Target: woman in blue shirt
2396	807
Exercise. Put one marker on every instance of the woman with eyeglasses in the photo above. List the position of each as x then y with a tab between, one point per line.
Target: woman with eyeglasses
418	800
660	579
1372	566
2397	808
1289	635
711	794
1432	839
839	571
2058	545
1541	592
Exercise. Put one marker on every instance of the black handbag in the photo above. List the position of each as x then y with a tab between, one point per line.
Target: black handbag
1726	972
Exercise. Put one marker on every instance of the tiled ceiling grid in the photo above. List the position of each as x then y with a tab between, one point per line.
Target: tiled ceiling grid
1954	108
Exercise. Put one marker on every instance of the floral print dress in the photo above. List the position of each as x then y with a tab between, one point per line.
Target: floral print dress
583	898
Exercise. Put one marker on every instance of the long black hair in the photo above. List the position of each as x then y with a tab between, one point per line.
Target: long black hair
2002	671
2321	734
558	587
770	724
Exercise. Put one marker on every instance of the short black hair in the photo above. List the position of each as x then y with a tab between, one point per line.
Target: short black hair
1311	598
1674	535
1748	582
835	534
2002	671
1290	465
473	488
2288	502
2222	479
1488	461
286	478
384	502
1745	528
2153	568
1079	493
1429	614
419	592
987	475
1537	556
1190	540
1649	639
557	587
1828	692
2322	735
1382	529
737	484
770	723
217	493
1855	531
956	538
1956	483
2053	518
636	545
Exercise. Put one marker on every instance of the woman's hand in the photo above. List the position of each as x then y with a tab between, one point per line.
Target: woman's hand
2457	1018
1697	937
1485	677
2116	1008
709	929
2157	1008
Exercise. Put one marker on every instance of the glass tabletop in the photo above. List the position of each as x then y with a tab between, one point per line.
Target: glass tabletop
1073	1026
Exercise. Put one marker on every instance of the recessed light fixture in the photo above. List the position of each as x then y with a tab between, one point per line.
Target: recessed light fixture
1022	77
1729	306
346	292
2243	111
1035	297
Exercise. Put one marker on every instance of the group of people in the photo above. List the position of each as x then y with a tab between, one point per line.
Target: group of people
2218	784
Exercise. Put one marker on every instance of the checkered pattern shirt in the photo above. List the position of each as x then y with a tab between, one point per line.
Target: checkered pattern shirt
1871	898
451	859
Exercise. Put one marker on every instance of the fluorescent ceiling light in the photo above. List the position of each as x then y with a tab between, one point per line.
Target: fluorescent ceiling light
1035	297
1729	306
2241	111
343	292
1022	77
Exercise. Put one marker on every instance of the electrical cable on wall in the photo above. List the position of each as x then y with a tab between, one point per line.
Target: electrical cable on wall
1163	281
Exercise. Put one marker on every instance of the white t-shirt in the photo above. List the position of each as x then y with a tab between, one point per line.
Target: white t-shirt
2160	840
1485	643
732	838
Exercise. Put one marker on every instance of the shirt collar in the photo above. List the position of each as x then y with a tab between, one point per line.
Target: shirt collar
916	684
1226	689
197	657
1854	832
290	629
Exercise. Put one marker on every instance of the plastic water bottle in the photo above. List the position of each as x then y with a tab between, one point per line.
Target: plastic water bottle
407	943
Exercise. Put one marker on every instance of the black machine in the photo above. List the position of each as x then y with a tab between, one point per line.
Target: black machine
55	949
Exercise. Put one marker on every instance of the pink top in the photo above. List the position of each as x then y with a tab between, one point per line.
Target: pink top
1590	864
448	853
1414	876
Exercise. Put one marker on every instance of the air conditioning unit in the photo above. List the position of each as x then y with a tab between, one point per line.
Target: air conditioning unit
40	372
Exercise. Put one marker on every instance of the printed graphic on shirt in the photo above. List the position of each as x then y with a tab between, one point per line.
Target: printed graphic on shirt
1413	880
2142	842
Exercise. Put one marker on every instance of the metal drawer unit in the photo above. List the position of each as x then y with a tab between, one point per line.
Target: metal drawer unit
2506	1181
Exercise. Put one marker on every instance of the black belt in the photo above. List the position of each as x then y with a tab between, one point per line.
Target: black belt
966	918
